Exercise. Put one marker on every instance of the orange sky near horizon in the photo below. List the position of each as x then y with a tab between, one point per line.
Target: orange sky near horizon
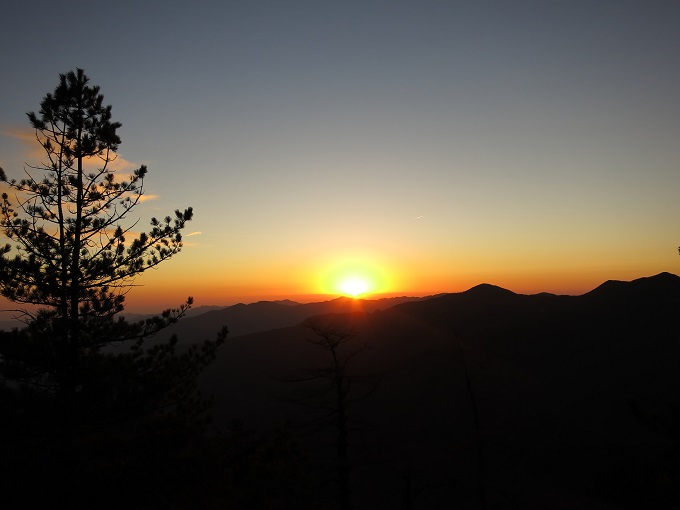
169	286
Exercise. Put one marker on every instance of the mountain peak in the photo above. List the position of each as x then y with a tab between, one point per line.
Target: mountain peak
662	282
486	289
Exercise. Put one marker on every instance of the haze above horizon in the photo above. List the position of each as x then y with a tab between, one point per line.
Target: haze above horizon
377	147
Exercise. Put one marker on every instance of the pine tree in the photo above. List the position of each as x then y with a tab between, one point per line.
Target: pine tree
68	234
75	410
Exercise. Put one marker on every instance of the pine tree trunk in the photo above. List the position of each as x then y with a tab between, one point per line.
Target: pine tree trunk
343	461
74	326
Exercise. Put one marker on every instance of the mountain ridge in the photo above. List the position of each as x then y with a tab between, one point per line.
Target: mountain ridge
554	378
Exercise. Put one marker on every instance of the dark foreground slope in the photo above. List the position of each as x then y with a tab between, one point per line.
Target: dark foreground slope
577	398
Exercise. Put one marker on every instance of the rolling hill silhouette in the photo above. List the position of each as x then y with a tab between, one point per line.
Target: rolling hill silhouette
577	395
242	318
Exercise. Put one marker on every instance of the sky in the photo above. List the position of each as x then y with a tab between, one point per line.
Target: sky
416	146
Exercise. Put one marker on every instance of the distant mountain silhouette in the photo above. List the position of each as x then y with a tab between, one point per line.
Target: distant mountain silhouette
9	324
243	318
576	394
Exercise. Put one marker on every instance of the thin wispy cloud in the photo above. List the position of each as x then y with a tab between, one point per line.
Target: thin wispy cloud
34	153
146	197
32	149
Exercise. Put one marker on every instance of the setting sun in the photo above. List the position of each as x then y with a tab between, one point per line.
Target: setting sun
354	286
354	275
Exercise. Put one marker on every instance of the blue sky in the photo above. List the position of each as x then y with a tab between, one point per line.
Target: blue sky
432	145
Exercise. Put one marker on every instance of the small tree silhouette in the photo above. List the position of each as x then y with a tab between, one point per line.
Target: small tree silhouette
334	394
479	443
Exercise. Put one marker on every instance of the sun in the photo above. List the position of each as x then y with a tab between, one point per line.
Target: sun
354	286
357	275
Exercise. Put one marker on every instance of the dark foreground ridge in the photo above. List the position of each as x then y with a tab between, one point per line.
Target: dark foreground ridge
480	399
538	401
